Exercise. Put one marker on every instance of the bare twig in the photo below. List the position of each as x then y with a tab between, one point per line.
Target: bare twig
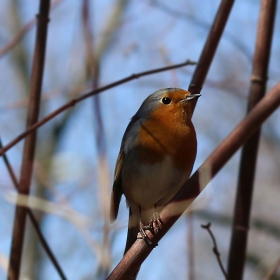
257	223
198	181
240	227
33	219
29	145
84	96
215	248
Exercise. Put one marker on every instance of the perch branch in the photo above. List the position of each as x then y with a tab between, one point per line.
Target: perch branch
198	181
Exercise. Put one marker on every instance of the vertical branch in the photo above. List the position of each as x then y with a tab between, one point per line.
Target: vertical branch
249	152
210	47
30	141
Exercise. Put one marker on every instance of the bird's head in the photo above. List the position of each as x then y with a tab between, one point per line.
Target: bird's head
168	103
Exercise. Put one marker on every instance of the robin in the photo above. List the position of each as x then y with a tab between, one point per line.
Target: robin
156	158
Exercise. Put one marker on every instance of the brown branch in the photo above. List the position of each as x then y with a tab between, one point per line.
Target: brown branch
16	39
193	187
84	96
215	248
30	142
33	219
240	227
210	47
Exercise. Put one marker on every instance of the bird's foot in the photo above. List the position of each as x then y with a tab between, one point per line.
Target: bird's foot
153	227
143	235
155	223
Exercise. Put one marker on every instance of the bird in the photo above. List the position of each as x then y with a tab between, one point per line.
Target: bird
156	158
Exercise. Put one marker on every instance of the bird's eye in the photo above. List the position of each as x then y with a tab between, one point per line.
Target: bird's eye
166	100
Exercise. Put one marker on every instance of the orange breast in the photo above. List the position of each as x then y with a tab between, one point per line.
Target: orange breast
168	133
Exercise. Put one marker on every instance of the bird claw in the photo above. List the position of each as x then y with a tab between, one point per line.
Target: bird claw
155	223
153	227
143	235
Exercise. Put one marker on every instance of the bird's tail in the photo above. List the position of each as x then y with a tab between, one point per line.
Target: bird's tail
133	229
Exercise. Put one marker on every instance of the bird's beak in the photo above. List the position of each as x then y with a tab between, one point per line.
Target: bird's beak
192	96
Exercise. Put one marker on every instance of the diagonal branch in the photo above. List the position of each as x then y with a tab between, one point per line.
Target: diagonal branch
198	181
30	142
73	102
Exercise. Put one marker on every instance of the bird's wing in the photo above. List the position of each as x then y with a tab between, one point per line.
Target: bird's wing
117	186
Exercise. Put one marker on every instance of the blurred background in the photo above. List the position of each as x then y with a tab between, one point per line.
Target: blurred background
94	43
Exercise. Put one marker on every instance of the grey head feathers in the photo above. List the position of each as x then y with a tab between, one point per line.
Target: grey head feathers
152	102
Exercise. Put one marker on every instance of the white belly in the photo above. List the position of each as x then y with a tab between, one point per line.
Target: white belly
150	185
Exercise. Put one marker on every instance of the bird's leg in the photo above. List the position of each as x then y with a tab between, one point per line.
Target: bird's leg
142	234
155	222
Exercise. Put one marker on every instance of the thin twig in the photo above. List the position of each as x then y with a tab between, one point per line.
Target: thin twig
215	248
84	96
